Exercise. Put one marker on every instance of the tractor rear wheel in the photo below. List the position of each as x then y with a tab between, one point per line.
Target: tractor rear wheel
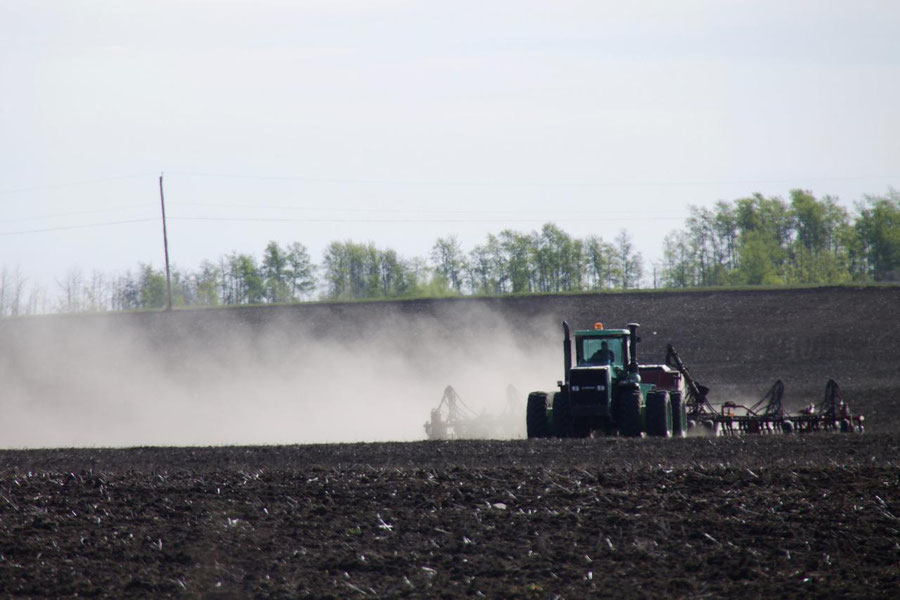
679	418
659	414
536	415
629	410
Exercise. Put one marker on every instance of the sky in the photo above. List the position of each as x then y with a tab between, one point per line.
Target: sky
398	122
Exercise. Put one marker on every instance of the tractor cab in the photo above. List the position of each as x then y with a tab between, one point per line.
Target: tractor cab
604	362
614	350
602	347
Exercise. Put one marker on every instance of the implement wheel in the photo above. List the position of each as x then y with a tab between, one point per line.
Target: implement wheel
659	414
536	415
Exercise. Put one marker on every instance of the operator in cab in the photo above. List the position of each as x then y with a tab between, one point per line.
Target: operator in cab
603	356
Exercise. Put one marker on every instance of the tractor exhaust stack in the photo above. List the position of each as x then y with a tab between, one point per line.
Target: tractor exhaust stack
632	347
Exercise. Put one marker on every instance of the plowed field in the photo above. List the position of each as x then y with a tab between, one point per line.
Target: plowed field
783	516
767	516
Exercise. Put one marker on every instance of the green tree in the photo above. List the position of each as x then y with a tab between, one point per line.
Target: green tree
766	227
151	287
183	290
207	282
878	228
811	220
301	272
558	260
243	281
629	264
758	239
488	267
517	250
449	261
418	273
599	263
275	274
367	283
680	268
713	237
336	267
819	252
355	271
758	260
396	277
808	266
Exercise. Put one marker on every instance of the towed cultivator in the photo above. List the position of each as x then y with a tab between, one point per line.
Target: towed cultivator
453	419
767	415
607	392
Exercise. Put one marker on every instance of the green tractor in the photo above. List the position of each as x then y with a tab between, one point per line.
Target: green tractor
606	391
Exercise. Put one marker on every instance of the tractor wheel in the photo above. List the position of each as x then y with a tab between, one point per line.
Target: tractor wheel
679	418
630	413
536	415
562	415
659	414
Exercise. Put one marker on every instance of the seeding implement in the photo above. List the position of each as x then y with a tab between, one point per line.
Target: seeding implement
607	392
453	419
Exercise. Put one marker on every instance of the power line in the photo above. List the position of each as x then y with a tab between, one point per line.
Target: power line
351	220
605	219
76	212
460	182
485	183
392	209
607	215
67	227
498	213
50	186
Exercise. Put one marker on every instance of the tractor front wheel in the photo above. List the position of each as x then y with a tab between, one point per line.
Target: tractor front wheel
629	413
536	415
562	416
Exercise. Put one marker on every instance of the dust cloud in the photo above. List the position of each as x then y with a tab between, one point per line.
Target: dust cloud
261	376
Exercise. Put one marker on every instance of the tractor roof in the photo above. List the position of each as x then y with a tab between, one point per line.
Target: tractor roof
602	332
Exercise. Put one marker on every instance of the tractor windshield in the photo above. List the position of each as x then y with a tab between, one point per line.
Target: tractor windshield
602	351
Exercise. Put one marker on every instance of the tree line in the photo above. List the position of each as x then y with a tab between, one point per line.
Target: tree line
770	241
750	241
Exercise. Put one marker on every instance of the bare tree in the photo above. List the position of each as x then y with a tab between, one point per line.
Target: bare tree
72	289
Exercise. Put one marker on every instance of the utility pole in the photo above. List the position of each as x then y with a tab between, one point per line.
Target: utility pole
162	202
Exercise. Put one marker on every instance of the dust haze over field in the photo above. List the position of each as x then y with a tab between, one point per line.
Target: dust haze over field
163	380
372	371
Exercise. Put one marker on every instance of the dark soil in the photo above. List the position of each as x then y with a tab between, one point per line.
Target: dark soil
802	516
784	516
